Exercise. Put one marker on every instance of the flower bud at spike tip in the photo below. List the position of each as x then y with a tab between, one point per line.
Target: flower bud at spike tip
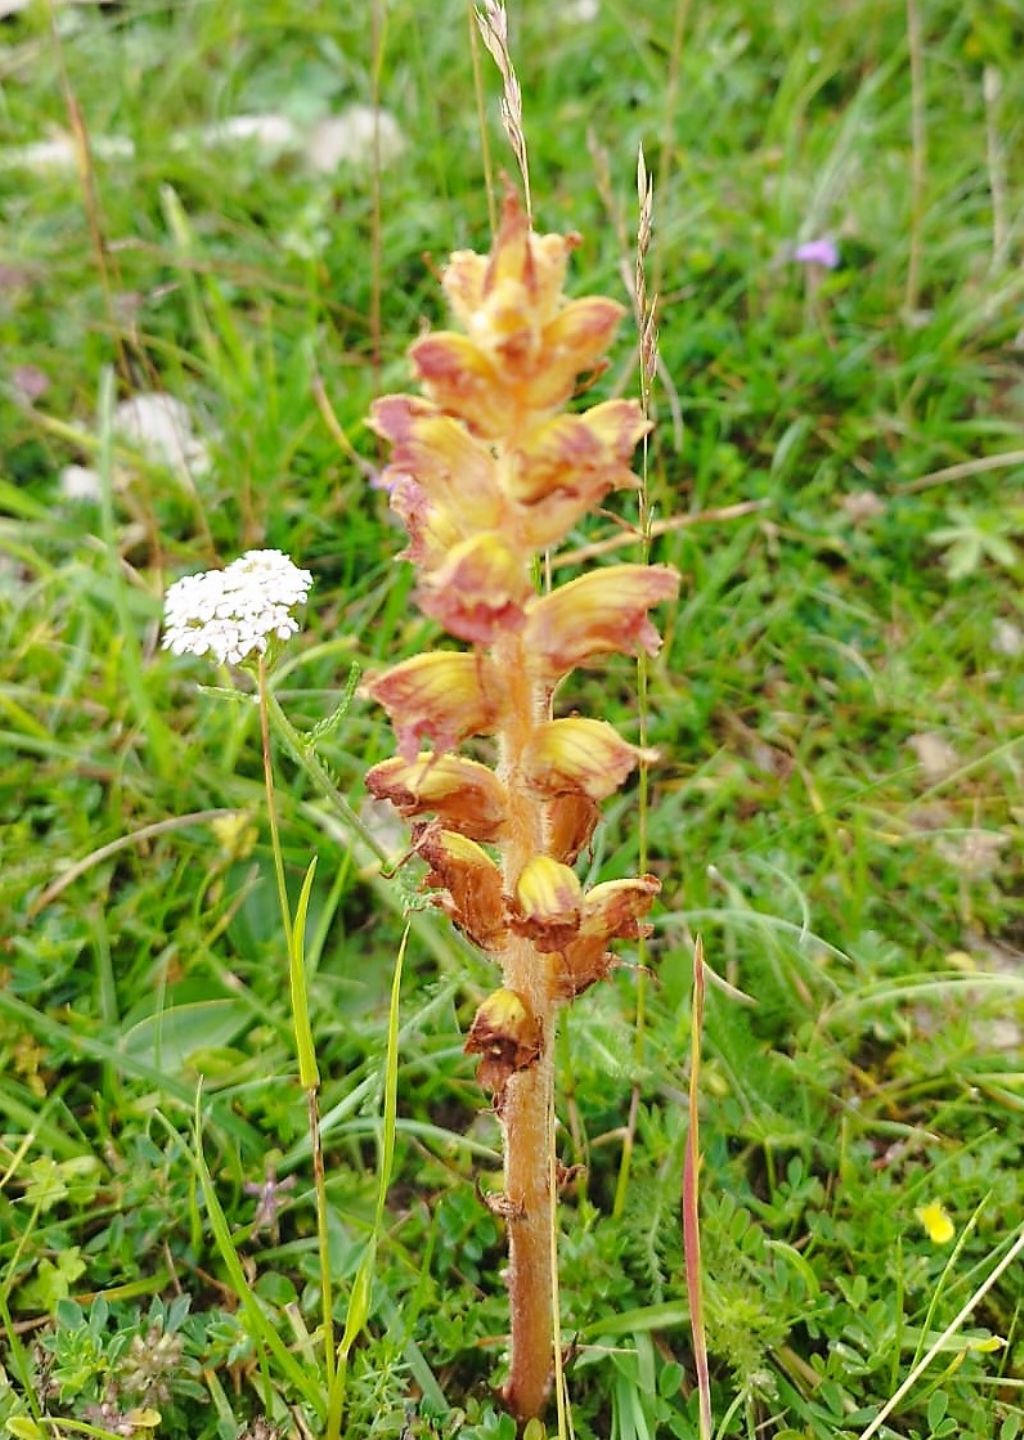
441	697
605	611
546	905
535	263
580	754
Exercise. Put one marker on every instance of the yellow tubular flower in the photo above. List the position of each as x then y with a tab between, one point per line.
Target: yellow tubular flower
508	1035
612	911
453	470
579	754
479	591
546	905
441	697
603	612
464	795
432	528
462	379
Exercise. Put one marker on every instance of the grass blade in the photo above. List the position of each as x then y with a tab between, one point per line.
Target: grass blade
691	1208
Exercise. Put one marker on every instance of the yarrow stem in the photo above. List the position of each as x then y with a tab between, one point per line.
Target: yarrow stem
294	934
268	781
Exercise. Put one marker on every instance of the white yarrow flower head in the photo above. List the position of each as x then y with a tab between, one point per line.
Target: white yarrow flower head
234	614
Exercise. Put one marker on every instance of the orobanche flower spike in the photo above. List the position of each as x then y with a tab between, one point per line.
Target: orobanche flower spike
486	472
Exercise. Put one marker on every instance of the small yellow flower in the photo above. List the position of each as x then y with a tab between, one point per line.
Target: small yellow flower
935	1219
236	834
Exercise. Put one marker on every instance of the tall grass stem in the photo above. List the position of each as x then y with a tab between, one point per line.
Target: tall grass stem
309	1073
157	733
691	1201
481	118
918	155
645	317
360	1296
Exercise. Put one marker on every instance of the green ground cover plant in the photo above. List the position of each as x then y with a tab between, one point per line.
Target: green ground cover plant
835	473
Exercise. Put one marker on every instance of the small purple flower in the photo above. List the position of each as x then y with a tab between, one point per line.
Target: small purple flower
268	1193
818	252
385	480
29	382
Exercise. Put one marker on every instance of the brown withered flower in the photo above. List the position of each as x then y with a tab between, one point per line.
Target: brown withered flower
508	1035
486	471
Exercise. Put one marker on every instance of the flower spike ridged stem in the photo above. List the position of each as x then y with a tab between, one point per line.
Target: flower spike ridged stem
489	471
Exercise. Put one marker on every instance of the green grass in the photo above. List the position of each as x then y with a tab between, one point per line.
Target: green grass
868	909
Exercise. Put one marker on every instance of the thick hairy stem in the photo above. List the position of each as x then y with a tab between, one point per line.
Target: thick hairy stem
528	1189
529	1094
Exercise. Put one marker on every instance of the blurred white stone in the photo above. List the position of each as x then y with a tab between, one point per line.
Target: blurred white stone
15	7
348	139
160	427
79	483
1007	639
343	139
973	851
861	506
936	757
583	11
59	153
267	132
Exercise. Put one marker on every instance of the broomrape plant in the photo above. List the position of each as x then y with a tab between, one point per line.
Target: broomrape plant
487	472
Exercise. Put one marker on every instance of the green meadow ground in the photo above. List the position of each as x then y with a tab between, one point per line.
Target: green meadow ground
839	810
